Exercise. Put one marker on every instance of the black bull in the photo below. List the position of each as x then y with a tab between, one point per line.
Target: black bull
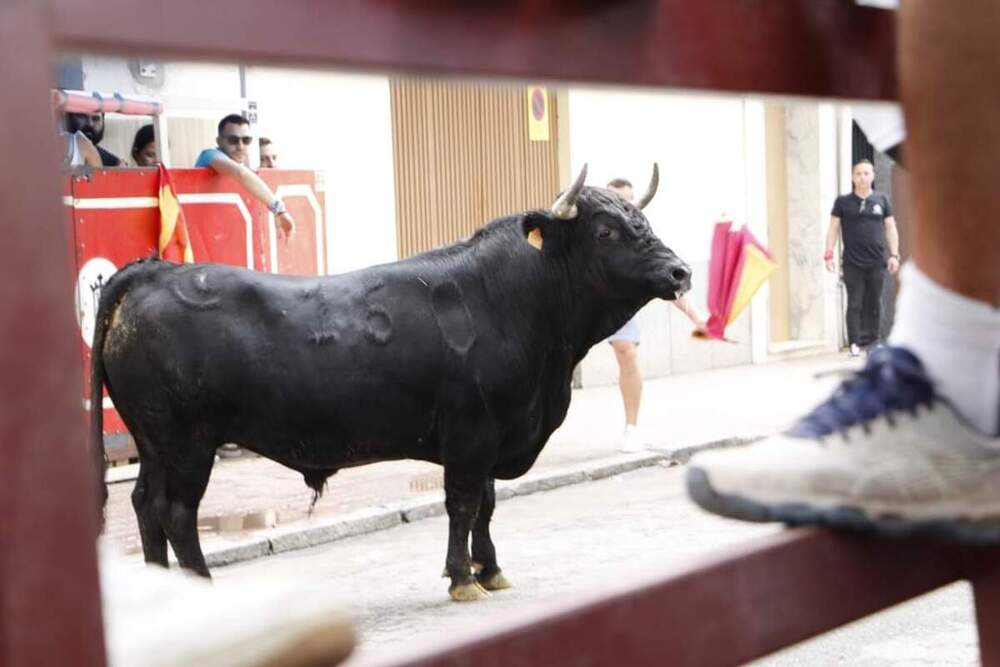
461	356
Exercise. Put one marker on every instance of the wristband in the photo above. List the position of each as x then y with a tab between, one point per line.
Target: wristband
894	255
277	207
828	255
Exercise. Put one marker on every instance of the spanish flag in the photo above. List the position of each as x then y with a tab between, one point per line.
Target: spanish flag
738	267
175	243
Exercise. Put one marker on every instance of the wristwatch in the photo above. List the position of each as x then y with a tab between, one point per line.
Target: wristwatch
277	207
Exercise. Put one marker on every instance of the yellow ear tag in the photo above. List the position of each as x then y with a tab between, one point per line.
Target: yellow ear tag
535	238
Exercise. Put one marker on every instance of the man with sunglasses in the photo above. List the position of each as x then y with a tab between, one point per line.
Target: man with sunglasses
231	158
864	219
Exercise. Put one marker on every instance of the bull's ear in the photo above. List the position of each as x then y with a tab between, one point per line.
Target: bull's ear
542	231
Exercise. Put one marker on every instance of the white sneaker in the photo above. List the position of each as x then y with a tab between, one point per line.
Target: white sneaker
165	618
855	351
632	441
884	454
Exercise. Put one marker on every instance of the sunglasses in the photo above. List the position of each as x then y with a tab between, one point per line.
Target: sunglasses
234	140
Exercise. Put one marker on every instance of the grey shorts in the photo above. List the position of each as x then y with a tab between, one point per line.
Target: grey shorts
629	332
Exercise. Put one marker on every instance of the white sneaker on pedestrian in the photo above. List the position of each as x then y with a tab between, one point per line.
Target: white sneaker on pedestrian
632	440
855	350
884	454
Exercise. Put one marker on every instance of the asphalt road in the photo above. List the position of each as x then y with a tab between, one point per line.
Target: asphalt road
581	539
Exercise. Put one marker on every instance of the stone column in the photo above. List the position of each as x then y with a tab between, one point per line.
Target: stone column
811	161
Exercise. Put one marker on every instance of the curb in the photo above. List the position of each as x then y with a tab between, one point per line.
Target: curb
323	531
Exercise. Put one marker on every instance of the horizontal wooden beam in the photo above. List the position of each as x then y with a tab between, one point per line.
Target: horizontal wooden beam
751	602
819	48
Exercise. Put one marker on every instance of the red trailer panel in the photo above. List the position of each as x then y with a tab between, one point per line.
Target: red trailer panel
115	220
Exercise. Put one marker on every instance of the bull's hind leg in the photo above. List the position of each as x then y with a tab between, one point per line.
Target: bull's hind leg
187	480
484	553
150	502
463	496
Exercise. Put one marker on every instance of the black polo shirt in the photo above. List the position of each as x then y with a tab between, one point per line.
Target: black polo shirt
108	159
862	225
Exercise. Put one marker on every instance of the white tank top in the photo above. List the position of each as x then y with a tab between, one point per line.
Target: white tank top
73	156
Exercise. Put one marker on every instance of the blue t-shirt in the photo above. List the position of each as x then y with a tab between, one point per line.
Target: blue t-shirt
206	156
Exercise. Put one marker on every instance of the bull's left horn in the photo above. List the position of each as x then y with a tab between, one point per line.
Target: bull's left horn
565	206
654	183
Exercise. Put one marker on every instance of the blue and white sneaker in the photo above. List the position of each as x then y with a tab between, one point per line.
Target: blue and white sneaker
884	454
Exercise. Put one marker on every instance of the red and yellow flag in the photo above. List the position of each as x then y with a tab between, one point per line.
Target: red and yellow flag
739	265
175	243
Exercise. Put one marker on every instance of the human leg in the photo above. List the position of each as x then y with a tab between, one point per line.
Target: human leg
948	304
871	305
948	55
854	283
629	379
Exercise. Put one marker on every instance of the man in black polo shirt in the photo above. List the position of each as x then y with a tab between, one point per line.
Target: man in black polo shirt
864	219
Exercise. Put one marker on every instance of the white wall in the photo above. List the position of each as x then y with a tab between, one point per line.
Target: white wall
341	125
699	142
208	81
755	174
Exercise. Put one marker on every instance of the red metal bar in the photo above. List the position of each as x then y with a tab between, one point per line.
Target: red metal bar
80	101
50	612
828	48
752	602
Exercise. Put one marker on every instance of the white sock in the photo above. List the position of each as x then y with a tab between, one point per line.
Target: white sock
958	341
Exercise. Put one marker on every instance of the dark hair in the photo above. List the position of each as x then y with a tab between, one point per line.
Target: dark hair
863	160
619	183
233	118
264	141
144	136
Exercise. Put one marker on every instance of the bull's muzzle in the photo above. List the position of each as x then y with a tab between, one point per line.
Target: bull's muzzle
678	279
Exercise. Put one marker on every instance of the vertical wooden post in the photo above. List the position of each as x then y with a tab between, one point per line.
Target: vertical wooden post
985	580
50	611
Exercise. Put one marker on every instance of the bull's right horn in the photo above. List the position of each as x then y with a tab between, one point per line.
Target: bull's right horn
654	183
565	206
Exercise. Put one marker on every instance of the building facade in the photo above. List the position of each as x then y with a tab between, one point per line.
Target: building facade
410	164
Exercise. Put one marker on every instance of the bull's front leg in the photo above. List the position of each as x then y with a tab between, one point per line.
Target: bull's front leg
484	554
463	497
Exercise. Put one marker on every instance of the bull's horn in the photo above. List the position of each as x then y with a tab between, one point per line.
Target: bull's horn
565	206
654	182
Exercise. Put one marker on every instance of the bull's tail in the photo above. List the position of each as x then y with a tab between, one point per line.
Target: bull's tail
111	296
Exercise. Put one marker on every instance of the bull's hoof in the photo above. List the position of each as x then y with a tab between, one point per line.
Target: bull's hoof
495	582
470	592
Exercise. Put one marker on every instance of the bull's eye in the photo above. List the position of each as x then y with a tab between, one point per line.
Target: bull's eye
604	234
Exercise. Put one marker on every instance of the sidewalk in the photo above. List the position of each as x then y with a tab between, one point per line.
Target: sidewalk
254	506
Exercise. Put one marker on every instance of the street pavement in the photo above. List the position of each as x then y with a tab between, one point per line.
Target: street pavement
254	507
579	541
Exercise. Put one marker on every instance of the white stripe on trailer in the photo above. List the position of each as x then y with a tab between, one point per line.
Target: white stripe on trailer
105	403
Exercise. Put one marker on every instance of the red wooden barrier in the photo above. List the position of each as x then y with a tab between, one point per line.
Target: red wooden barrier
48	594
